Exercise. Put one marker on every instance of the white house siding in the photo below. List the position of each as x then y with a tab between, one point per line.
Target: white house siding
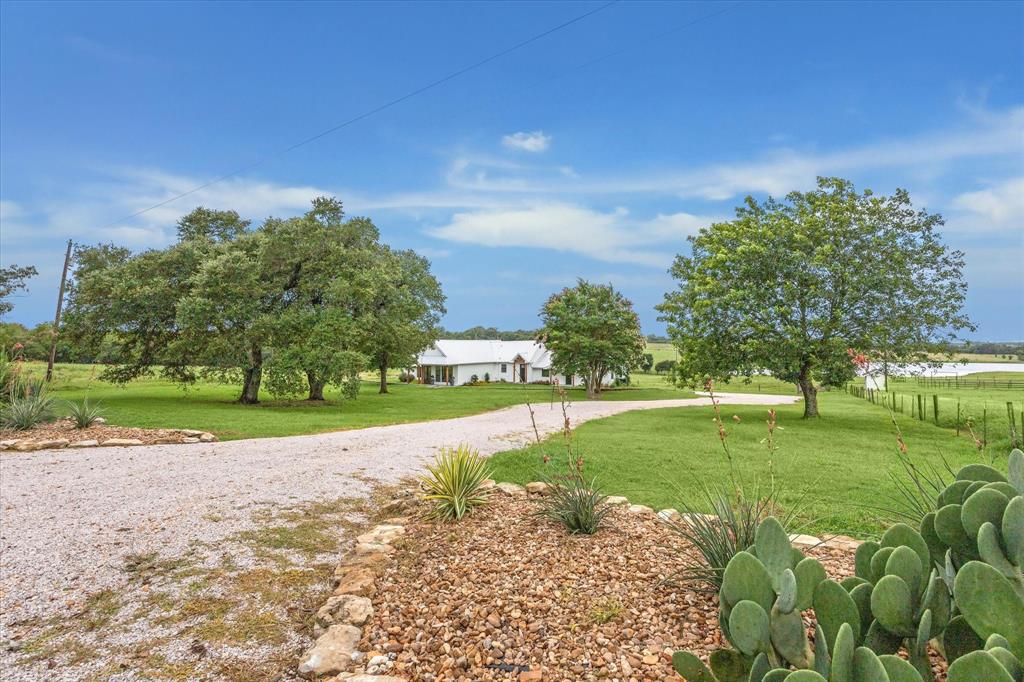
464	373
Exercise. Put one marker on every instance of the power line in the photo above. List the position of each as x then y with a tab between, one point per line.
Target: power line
371	112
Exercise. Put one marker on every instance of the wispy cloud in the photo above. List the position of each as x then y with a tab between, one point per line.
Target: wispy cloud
534	142
986	134
998	207
613	237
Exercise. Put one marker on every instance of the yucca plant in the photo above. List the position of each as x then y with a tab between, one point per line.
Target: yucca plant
84	414
27	410
575	503
455	483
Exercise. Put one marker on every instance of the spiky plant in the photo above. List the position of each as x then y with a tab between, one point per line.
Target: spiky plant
454	483
84	414
575	503
27	410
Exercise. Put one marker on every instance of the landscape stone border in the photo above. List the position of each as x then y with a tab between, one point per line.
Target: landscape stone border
185	436
335	655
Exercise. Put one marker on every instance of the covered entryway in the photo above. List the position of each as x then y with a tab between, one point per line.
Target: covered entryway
520	370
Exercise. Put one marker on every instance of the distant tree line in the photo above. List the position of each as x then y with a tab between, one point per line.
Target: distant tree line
1010	348
489	334
294	305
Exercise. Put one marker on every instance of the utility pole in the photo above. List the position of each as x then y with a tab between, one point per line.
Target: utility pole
56	318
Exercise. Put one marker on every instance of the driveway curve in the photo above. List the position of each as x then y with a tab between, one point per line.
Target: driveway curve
69	517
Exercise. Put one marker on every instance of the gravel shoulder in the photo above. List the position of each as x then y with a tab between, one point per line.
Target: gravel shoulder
69	519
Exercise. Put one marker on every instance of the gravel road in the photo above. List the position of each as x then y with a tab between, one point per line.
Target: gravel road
69	517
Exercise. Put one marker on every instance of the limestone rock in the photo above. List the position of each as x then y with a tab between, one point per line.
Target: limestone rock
331	653
191	432
373	548
189	439
358	581
344	608
26	446
55	444
167	440
207	438
511	488
616	499
640	509
804	540
538	488
487	484
670	515
111	442
8	444
91	443
99	420
383	534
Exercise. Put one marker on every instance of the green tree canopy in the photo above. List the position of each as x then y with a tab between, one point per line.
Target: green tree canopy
12	278
789	286
592	330
301	303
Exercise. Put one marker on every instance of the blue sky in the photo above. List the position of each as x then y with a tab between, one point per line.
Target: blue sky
592	152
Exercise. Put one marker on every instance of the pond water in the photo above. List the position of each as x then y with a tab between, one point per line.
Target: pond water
952	369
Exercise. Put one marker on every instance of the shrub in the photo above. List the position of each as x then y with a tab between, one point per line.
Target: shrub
576	504
27	410
84	414
455	483
487	377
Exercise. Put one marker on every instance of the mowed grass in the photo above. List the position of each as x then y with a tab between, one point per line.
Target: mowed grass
973	406
155	403
839	461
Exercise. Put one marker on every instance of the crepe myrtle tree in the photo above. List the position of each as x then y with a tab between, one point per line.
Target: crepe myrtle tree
12	279
592	330
790	286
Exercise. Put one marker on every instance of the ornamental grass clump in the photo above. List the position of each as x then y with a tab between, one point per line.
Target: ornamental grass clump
84	414
27	410
455	483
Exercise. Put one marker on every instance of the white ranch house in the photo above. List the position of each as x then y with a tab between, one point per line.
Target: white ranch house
456	362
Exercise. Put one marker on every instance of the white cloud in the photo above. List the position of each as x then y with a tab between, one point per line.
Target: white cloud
534	142
614	237
988	134
995	208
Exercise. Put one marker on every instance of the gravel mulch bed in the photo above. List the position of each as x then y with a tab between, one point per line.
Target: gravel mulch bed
64	429
505	595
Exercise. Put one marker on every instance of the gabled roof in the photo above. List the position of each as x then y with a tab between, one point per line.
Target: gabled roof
472	352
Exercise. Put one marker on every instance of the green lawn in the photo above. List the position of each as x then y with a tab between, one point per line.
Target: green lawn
973	401
841	459
156	403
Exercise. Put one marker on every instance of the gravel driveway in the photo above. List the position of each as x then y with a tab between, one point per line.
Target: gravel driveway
69	518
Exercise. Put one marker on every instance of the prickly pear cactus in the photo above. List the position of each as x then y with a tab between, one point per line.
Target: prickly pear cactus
900	600
980	517
994	663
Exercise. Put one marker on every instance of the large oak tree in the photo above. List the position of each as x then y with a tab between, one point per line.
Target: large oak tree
789	286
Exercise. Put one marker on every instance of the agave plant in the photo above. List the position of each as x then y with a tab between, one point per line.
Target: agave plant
575	503
27	410
84	414
455	483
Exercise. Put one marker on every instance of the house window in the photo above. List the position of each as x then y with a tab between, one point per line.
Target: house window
504	368
545	372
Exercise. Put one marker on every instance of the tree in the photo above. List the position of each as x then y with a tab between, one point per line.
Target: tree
12	279
404	310
791	286
592	330
647	362
665	366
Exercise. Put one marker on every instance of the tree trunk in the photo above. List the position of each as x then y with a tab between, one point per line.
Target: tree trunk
316	386
383	373
252	376
593	385
807	387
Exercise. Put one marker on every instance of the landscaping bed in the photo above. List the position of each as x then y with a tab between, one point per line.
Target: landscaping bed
64	434
505	595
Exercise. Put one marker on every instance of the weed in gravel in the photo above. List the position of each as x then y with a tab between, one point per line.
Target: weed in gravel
605	612
100	608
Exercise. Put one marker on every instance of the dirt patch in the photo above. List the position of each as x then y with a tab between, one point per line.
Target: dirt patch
504	592
64	429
